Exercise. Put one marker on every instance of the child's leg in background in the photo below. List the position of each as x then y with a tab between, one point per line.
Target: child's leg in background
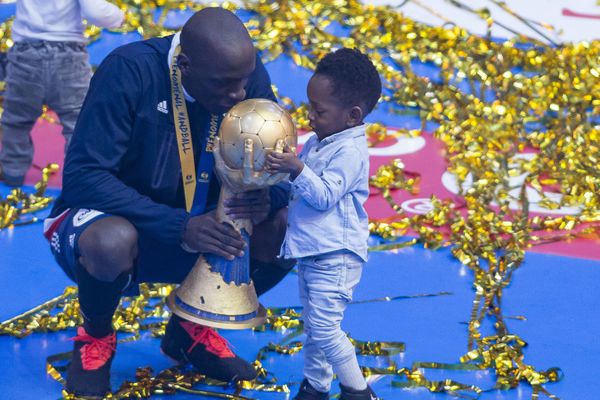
69	82
327	283
23	101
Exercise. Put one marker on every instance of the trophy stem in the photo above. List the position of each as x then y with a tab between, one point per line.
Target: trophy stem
219	292
237	224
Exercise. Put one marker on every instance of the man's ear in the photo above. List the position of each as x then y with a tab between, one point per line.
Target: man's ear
355	116
184	64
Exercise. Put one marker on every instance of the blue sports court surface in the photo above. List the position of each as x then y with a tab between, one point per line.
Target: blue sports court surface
413	295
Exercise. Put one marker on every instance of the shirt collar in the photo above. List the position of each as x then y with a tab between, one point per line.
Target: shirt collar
174	44
353	132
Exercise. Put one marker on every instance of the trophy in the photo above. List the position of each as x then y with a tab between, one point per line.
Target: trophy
218	292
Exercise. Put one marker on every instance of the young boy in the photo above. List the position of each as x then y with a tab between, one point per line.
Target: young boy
327	230
48	64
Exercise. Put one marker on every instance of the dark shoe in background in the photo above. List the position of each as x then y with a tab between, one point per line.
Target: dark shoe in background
350	394
307	392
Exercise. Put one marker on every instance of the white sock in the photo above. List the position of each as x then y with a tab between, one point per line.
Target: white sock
349	375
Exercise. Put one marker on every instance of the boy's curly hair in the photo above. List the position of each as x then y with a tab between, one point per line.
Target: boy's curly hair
354	77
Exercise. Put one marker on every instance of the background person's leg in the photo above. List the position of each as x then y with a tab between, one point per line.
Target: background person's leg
70	80
23	101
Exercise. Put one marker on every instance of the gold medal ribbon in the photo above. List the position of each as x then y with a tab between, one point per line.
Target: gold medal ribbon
184	133
184	142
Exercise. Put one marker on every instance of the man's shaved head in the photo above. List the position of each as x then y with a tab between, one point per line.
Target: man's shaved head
217	58
216	34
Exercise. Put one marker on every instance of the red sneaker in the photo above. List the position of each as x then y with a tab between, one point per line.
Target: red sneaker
89	372
206	350
213	342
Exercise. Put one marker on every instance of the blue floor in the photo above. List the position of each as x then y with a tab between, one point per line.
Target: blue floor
557	295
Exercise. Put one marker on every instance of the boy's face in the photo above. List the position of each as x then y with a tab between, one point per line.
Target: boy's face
326	114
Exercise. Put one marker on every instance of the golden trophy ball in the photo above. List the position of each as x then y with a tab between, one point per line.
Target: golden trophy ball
218	292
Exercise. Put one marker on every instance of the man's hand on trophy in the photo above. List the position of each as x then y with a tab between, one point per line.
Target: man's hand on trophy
255	205
246	178
205	234
286	162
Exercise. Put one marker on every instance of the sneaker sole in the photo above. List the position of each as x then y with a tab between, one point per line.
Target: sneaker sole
186	362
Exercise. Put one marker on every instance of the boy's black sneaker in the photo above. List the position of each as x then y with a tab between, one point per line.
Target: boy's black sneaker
201	346
307	392
351	394
88	375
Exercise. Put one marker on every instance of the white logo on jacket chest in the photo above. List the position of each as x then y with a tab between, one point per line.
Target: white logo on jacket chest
162	107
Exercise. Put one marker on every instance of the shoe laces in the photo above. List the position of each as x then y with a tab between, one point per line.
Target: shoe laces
214	342
97	351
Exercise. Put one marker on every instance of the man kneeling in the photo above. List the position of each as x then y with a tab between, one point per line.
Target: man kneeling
121	218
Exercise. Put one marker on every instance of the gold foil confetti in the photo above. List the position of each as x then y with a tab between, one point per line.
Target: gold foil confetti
16	207
492	102
147	312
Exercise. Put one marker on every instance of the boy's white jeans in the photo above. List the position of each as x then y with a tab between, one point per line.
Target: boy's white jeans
326	284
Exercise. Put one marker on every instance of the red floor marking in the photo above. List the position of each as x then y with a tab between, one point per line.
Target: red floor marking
570	13
49	148
429	162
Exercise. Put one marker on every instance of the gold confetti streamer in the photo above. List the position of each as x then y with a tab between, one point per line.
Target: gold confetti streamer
19	204
147	312
492	101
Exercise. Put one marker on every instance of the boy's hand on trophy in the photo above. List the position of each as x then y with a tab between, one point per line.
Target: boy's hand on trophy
203	233
276	177
286	162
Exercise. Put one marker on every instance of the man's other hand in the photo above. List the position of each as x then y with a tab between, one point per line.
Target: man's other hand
254	205
205	234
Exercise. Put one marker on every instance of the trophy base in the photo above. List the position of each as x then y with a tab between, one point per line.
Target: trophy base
212	320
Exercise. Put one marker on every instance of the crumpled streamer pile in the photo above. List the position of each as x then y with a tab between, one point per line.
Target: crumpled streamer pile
522	95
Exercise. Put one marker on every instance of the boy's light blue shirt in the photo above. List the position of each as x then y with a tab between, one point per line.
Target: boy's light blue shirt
326	208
